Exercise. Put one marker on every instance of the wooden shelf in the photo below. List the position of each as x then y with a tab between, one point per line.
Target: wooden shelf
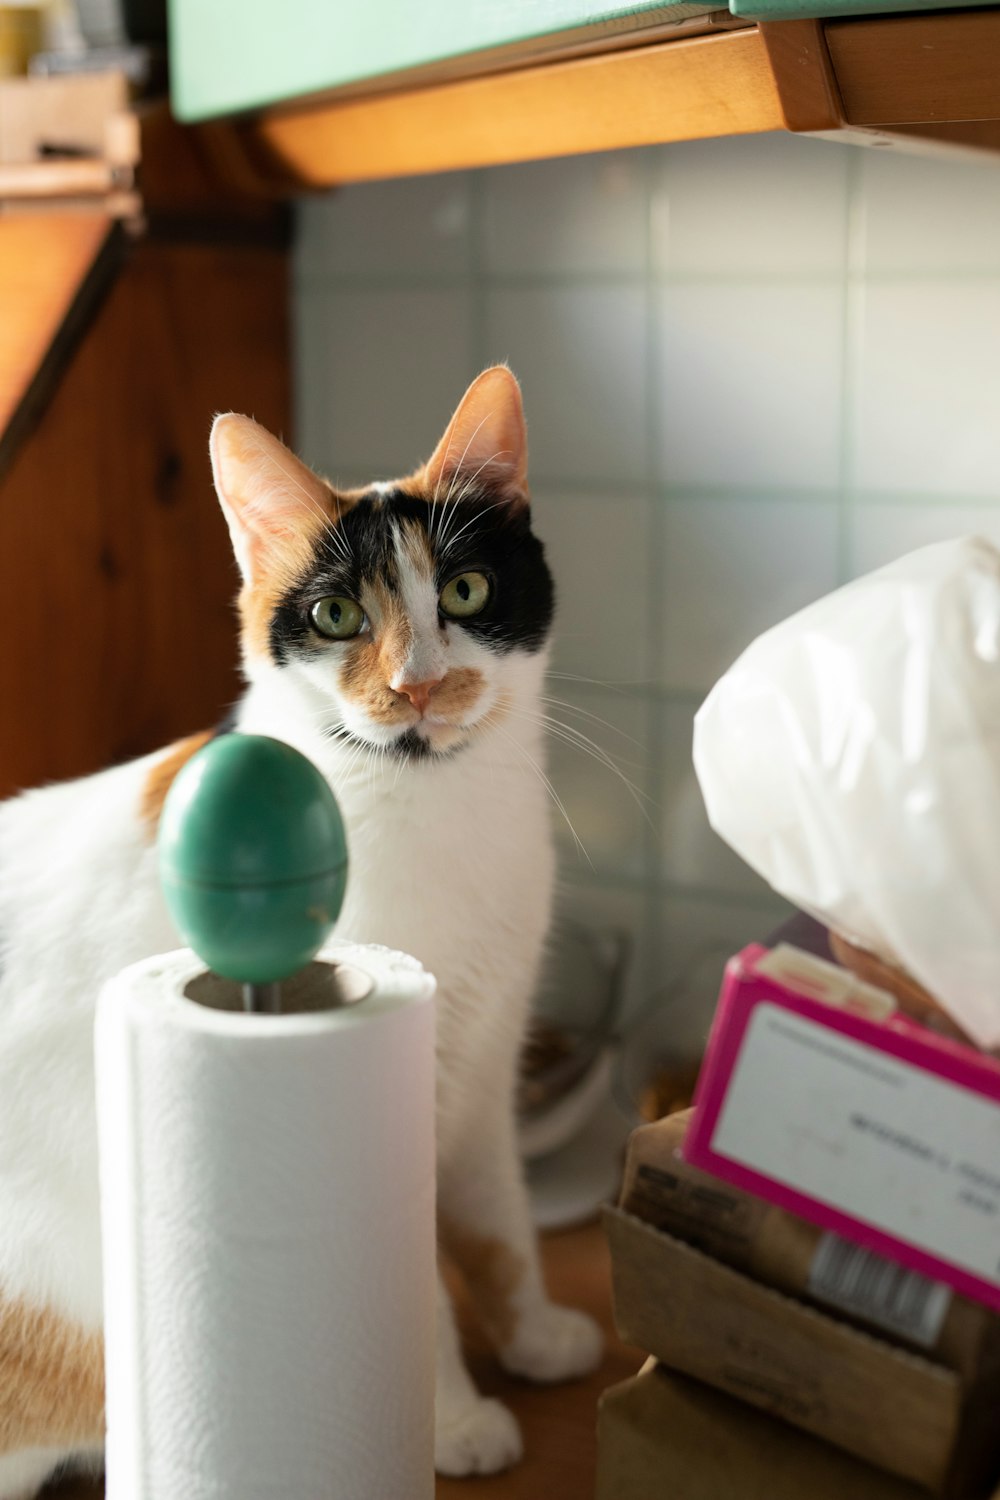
885	80
53	266
66	224
696	86
918	69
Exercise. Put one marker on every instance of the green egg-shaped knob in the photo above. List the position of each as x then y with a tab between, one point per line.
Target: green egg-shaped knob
253	857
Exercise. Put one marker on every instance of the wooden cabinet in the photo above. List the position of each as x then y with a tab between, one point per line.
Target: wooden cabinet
116	578
126	321
345	93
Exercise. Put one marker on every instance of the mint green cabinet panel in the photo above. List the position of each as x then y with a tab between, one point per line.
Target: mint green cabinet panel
787	10
232	55
229	55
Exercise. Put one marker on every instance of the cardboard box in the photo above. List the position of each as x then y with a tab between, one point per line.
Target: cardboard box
818	1096
787	1252
889	1407
663	1436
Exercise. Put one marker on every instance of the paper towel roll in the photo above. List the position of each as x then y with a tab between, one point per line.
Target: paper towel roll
267	1188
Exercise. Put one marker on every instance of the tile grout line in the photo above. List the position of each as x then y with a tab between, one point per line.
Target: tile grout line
298	292
475	274
375	281
567	487
852	314
306	299
656	173
762	900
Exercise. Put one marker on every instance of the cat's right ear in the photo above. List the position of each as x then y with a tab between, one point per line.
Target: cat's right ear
485	440
274	506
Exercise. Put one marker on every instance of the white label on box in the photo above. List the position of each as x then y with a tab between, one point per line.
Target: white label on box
855	1280
844	1123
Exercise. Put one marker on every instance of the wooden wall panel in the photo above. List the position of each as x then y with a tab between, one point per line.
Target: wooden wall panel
116	578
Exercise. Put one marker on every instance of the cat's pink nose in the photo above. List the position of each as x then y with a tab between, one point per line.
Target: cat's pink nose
419	693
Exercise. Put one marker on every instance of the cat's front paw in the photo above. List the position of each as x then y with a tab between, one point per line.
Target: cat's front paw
554	1343
482	1439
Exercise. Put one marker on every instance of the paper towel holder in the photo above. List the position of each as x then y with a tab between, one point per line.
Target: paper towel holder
253	865
315	988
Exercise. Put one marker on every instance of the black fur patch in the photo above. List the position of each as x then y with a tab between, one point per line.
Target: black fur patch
406	746
483	533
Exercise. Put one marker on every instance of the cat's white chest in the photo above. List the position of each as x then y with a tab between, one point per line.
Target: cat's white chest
456	867
452	870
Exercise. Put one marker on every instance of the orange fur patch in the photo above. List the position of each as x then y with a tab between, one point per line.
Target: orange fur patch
257	604
161	777
458	692
371	663
416	546
492	1271
280	567
277	572
363	679
394	631
51	1380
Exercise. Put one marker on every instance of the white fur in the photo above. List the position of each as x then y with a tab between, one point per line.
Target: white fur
451	860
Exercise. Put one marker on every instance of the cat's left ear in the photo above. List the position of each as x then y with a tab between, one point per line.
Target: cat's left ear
274	506
485	441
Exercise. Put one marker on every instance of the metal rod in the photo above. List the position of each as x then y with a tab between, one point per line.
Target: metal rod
264	999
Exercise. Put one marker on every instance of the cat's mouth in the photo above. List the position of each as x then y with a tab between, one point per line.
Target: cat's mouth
431	737
421	741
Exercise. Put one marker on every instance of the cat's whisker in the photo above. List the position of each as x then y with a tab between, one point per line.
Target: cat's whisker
536	768
598	682
570	732
470	482
617	767
399	771
339	535
585	713
467	488
450	542
465	453
362	764
345	772
466	484
575	739
304	496
438	507
379	767
370	768
332	536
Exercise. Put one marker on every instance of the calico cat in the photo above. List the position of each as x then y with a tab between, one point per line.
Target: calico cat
397	635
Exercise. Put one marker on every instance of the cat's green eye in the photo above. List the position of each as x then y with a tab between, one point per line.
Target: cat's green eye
337	618
466	595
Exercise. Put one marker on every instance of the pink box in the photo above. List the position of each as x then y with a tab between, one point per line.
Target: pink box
818	1095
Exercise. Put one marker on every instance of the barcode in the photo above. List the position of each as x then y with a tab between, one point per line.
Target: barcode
858	1281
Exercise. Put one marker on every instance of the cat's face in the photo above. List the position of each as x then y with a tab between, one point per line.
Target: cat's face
407	607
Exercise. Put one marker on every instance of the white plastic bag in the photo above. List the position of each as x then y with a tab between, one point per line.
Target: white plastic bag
852	756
